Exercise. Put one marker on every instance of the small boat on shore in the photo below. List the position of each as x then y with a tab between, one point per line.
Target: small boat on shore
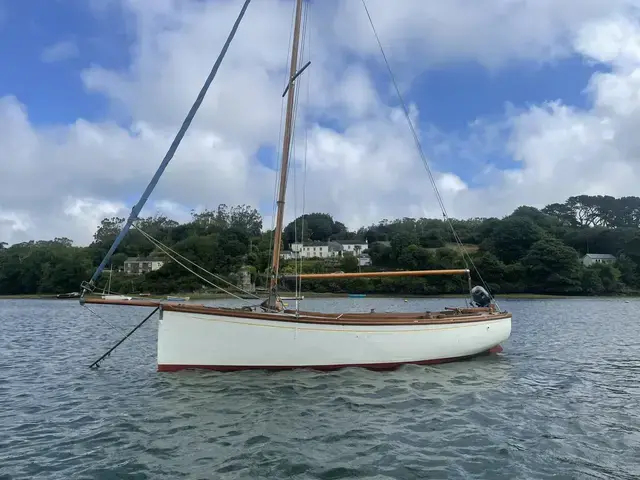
171	298
68	295
115	296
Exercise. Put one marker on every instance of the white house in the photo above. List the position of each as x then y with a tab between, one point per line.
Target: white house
355	247
139	265
333	248
311	249
593	258
288	255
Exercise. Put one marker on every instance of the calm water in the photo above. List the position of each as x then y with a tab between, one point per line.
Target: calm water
562	401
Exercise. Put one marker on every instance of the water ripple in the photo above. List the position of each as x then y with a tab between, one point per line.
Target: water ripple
562	401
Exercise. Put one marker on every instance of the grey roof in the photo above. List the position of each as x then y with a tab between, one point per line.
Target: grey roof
317	243
600	256
144	259
383	242
335	247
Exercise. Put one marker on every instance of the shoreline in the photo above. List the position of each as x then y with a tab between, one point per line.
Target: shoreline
224	296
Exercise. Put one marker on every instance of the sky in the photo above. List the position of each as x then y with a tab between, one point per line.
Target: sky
516	102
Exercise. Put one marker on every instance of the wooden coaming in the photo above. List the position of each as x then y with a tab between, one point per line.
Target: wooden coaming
451	316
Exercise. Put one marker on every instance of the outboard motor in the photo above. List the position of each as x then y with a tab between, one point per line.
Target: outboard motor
480	296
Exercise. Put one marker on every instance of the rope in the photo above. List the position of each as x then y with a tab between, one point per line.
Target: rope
304	175
161	245
290	81
298	261
96	364
422	155
279	144
168	251
115	328
135	211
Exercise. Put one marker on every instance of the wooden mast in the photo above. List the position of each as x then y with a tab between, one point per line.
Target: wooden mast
284	170
286	145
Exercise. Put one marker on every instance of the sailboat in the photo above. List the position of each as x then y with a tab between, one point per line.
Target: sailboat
106	292
269	336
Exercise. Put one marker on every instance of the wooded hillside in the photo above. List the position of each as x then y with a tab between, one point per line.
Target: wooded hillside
529	251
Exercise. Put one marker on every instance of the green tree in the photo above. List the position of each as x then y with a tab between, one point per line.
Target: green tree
591	282
349	263
552	267
609	276
530	250
311	227
510	239
628	271
492	270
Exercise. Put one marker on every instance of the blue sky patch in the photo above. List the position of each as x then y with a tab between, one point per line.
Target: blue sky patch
52	88
450	97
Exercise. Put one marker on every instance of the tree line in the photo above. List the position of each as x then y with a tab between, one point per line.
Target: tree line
529	251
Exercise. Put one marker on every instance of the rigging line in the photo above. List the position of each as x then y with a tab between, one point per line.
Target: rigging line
200	276
291	165
283	103
166	251
106	284
421	152
294	112
298	261
406	112
303	49
304	171
218	277
117	329
105	355
282	191
113	327
135	211
425	163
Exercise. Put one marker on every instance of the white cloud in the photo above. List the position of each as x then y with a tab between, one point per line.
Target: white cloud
490	32
84	214
13	221
361	162
60	51
563	150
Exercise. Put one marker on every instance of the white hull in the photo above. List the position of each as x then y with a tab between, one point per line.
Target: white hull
218	342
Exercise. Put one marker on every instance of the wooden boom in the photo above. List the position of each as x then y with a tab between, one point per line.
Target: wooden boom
400	273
